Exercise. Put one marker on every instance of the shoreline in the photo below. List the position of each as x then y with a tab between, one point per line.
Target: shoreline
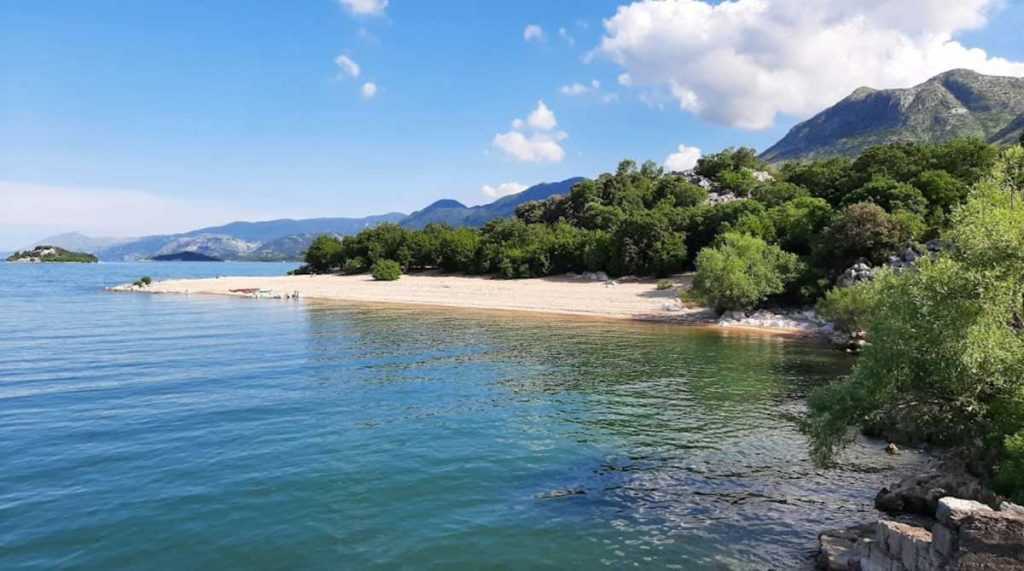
568	295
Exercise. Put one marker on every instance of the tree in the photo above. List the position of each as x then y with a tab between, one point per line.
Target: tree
946	359
859	231
741	271
323	254
890	194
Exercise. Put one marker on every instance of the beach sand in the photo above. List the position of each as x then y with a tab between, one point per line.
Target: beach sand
636	299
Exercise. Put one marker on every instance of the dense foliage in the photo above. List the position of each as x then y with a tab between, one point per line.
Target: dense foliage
741	271
53	254
946	359
386	270
640	220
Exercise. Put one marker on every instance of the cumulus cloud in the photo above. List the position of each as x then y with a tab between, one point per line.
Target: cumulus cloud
580	89
684	159
741	63
542	118
369	89
366	7
533	140
503	189
533	33
347	65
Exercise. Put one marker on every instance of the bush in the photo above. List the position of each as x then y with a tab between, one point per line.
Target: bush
143	281
664	285
386	270
860	231
741	271
849	308
355	265
947	350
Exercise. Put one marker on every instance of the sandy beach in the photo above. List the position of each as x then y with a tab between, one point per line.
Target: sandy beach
634	299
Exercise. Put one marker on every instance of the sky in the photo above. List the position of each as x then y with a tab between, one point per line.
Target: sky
132	118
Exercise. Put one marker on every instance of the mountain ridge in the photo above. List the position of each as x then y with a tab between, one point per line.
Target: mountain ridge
956	103
288	239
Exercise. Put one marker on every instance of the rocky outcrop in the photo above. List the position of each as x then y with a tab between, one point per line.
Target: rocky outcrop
964	535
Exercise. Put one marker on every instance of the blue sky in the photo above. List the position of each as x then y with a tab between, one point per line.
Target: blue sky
159	116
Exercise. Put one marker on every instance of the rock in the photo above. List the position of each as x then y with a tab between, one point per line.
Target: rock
910	545
951	511
840	549
944	541
1011	507
920	494
891	449
985	531
988	562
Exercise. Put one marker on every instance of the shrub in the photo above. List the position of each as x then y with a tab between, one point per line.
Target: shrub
741	271
355	265
664	285
386	270
862	230
947	351
849	308
143	281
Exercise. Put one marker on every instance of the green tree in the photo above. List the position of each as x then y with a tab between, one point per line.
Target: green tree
323	254
946	359
860	231
741	271
890	194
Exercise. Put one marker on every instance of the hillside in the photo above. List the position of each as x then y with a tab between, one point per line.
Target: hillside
957	103
455	213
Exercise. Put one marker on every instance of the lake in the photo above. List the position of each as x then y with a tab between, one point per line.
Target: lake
191	432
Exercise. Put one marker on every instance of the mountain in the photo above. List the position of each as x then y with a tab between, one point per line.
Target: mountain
244	240
455	213
286	239
957	103
77	242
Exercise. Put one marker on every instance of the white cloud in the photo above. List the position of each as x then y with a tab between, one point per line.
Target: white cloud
741	63
366	7
542	118
369	89
685	158
534	148
503	189
580	89
34	211
348	66
540	144
533	33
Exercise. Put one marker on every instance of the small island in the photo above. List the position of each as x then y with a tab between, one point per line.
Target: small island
52	254
185	257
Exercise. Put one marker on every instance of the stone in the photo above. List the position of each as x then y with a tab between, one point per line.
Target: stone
908	544
988	562
891	449
841	549
997	533
1011	507
919	494
951	511
944	541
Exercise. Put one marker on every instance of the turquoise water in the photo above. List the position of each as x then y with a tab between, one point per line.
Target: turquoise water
174	432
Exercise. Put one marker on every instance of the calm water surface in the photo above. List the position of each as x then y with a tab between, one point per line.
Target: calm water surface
167	432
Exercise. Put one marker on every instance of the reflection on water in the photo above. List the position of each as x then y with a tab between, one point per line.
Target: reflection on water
200	432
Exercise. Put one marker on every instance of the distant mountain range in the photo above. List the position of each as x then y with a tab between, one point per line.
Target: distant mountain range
277	240
957	103
454	213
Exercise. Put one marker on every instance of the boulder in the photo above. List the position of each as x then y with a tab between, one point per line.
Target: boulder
951	511
920	494
841	549
908	544
999	534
